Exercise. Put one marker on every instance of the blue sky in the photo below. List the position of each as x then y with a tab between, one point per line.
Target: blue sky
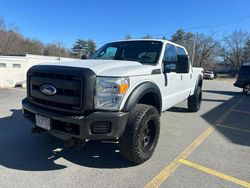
108	20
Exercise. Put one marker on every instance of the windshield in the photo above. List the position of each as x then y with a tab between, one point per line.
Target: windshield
143	51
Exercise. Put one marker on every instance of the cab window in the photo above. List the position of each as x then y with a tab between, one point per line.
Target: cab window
181	51
108	53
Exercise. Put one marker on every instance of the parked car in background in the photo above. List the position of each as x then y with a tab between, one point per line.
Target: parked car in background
243	78
208	75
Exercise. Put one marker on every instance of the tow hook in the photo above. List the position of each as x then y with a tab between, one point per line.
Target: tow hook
79	143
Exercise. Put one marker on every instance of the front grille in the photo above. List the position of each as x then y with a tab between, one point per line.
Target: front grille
74	88
68	87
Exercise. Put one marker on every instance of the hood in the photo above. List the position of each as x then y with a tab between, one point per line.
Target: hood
109	67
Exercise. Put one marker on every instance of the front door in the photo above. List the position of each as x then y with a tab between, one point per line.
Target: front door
173	85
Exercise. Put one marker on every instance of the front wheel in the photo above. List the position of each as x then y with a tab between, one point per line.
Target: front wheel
246	89
141	135
194	101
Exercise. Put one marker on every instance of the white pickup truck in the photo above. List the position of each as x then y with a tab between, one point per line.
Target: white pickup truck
119	93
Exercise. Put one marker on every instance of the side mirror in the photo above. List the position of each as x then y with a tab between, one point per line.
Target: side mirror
183	64
85	56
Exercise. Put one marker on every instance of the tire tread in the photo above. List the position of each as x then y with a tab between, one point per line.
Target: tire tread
128	144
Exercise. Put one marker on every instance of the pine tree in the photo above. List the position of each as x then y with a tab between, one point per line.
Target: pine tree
84	47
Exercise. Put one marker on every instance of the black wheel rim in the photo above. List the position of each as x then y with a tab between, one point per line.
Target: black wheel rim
148	136
246	89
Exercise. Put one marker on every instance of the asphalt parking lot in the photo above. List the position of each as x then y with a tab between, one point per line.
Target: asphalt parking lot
210	148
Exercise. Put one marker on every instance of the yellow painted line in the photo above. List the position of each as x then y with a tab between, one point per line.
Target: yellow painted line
168	170
234	128
215	173
241	111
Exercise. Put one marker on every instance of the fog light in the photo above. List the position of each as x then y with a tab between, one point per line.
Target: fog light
101	127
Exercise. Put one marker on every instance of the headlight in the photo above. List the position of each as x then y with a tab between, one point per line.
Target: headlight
109	92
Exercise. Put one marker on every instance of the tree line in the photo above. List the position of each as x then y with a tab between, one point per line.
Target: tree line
207	50
204	49
12	42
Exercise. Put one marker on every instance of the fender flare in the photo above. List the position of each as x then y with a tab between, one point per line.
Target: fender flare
199	81
140	91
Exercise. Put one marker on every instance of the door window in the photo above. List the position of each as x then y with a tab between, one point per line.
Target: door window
170	58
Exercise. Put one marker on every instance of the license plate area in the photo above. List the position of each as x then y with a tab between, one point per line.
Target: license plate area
43	122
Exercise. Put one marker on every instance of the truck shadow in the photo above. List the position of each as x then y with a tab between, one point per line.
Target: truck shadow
21	150
237	123
235	120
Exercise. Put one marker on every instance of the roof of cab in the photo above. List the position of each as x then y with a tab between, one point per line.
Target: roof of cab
159	40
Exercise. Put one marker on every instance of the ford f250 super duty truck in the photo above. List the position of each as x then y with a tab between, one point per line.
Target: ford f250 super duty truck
119	93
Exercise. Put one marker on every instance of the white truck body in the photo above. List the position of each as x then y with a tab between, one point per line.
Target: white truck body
180	85
118	94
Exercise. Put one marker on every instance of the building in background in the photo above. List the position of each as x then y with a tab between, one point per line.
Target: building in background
13	69
223	67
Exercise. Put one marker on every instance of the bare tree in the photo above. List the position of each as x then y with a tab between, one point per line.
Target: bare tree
32	47
2	24
207	49
148	36
246	50
128	36
13	43
234	48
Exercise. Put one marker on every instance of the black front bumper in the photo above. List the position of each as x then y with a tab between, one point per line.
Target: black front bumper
95	126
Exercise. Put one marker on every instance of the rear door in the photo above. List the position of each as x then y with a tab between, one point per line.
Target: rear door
184	68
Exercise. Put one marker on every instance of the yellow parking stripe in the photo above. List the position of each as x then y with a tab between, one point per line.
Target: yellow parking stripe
234	128
215	173
168	170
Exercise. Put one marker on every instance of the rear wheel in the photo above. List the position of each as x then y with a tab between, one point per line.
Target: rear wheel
194	101
246	89
141	135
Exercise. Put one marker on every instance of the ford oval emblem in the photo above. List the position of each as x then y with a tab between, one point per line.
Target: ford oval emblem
48	89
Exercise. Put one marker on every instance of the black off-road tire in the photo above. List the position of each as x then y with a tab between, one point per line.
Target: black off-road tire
194	101
141	135
246	89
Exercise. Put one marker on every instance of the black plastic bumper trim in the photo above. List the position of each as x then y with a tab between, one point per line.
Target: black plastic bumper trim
239	84
118	121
